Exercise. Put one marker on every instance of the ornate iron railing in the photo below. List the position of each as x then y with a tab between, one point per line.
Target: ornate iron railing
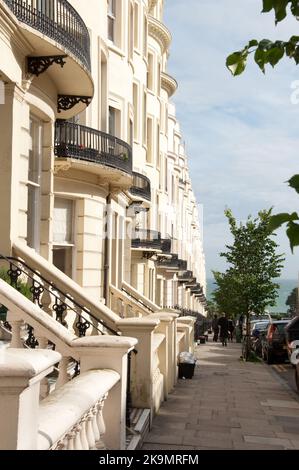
141	186
149	239
50	298
173	263
83	143
185	276
58	20
166	245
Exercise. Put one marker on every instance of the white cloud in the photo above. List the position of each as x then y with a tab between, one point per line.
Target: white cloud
241	133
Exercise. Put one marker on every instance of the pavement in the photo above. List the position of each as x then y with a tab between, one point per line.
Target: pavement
228	405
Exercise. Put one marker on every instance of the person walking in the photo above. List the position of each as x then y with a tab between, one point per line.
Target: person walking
215	328
224	331
231	329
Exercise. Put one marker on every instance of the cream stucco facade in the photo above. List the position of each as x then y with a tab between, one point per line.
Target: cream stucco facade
98	214
77	210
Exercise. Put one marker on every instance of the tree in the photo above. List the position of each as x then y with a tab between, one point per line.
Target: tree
292	302
248	284
268	52
227	295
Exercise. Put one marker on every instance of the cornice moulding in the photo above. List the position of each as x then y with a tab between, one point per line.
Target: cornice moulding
169	84
160	33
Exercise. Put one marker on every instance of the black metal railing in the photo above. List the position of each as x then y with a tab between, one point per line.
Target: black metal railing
58	20
149	239
141	186
173	263
166	245
50	298
83	143
185	276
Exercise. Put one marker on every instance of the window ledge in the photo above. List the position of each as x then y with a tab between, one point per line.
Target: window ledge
112	47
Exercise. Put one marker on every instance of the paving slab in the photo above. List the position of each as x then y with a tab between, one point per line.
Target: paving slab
228	404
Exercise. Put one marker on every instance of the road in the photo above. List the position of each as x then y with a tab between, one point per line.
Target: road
286	372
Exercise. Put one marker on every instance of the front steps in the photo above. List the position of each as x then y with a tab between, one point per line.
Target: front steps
140	427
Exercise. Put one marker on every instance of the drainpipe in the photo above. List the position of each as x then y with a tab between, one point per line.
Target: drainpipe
106	249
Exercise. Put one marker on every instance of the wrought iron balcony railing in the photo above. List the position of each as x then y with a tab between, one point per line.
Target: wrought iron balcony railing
141	186
185	276
173	263
84	143
58	20
166	245
148	239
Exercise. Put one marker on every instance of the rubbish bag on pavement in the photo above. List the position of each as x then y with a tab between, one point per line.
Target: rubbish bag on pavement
187	362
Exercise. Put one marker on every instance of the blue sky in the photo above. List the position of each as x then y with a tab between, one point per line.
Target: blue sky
242	134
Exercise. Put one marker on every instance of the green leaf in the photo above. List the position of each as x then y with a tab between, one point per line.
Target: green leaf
295	8
294	183
276	221
294	39
290	49
293	234
275	55
267	6
253	43
260	59
236	63
280	7
265	44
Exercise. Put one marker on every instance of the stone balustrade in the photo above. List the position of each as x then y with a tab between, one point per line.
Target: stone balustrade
147	384
125	306
89	353
190	321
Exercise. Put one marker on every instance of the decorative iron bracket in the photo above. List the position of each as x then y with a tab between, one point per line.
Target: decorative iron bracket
38	65
66	102
149	254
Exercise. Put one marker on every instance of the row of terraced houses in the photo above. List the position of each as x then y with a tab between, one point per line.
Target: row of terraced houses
102	270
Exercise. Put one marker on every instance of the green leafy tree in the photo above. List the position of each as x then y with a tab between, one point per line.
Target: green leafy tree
268	52
227	295
292	302
248	284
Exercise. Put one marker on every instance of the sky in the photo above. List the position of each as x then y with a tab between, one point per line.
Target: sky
241	133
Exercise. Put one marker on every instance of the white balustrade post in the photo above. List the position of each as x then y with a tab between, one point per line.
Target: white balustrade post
142	370
21	372
16	328
168	358
109	352
63	377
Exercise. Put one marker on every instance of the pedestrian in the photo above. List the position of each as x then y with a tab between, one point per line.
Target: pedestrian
224	332
231	329
215	328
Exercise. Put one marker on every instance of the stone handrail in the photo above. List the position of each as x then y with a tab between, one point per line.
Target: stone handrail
91	353
147	303
125	305
65	284
71	418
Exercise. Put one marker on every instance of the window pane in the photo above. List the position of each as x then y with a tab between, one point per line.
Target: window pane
63	221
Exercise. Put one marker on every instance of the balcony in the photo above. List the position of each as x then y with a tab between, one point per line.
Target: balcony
185	276
141	189
85	149
147	240
160	33
166	245
169	84
173	263
58	35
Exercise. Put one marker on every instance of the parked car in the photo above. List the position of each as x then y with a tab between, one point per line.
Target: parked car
292	335
274	341
258	331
